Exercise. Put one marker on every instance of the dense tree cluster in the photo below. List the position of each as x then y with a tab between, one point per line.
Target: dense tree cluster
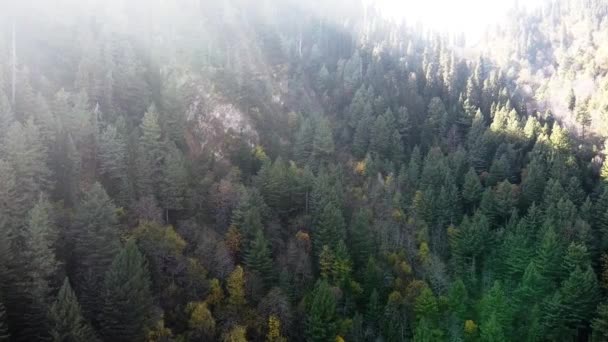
394	190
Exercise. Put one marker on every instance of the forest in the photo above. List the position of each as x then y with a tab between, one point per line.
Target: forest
277	170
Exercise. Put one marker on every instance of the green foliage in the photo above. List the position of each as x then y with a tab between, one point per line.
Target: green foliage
321	320
330	228
420	189
259	259
67	322
127	297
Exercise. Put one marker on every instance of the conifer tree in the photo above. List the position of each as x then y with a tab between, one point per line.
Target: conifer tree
259	259
361	239
127	298
150	158
323	142
95	238
174	180
66	320
330	229
380	137
600	323
572	305
303	146
321	325
471	190
113	157
34	280
27	157
492	330
533	184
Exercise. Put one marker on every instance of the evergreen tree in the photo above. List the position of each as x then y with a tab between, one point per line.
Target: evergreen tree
600	323
323	142
361	239
27	156
127	298
321	317
533	184
572	305
259	259
67	322
330	229
471	190
35	283
95	237
150	157
492	330
174	180
362	137
380	137
303	146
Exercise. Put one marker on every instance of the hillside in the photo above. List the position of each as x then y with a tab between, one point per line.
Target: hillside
283	171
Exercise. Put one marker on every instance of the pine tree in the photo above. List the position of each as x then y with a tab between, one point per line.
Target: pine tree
361	239
95	238
150	158
321	323
492	330
471	190
67	322
323	142
34	281
426	332
600	323
373	311
174	180
27	156
259	259
127	298
572	305
380	137
303	146
533	184
548	256
426	306
363	133
113	158
330	229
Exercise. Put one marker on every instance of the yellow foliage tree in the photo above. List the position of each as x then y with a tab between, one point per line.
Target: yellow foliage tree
274	330
216	293
470	328
238	333
326	261
201	319
424	253
233	240
159	333
236	287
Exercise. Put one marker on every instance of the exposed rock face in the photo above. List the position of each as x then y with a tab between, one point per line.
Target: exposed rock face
210	119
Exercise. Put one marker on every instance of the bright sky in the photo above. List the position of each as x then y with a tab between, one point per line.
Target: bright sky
468	16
